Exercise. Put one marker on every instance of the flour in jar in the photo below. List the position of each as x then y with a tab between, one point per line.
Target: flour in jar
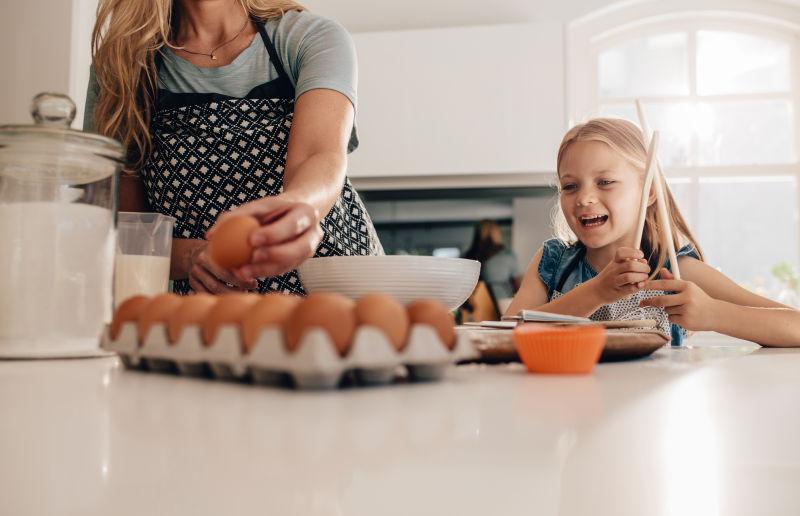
56	266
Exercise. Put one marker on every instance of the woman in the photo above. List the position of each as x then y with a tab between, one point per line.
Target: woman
242	105
499	267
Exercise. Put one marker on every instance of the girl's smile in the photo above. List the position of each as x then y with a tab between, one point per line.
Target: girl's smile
600	194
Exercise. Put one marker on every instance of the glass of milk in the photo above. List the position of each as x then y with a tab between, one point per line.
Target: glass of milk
57	237
144	244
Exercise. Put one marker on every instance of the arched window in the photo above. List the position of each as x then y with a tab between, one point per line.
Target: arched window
723	90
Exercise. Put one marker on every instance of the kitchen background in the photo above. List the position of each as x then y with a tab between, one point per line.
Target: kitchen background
462	105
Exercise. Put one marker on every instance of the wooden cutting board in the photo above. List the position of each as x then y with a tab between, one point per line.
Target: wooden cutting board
622	343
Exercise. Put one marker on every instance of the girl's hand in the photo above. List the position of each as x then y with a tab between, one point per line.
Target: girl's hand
689	306
207	277
289	234
623	276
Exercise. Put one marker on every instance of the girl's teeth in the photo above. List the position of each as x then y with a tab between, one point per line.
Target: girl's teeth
594	221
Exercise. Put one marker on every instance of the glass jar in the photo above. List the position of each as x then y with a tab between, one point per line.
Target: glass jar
58	194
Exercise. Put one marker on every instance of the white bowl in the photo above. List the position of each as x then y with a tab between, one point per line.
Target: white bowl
448	280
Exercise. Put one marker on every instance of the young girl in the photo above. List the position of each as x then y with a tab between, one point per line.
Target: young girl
593	270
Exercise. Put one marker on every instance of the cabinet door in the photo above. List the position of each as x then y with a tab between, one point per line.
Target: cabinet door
471	100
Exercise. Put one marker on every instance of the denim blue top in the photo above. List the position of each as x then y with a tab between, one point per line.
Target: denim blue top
564	267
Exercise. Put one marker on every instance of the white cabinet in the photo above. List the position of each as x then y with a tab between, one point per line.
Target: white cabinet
467	100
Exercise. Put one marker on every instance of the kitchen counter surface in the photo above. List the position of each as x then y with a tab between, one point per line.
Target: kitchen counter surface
711	429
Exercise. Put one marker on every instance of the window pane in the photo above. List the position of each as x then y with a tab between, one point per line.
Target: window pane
672	119
731	62
747	225
683	189
758	132
729	133
654	65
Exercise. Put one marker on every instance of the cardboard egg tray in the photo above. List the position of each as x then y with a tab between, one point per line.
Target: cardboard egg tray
315	364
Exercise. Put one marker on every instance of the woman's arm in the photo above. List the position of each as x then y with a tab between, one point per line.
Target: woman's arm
316	159
316	163
708	300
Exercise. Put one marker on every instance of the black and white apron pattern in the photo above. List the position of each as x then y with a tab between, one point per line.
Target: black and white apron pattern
212	153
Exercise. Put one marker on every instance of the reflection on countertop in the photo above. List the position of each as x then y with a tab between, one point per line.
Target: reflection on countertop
707	429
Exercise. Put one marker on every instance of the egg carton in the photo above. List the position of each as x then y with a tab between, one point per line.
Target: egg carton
315	364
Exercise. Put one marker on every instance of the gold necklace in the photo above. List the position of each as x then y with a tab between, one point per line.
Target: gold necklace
211	54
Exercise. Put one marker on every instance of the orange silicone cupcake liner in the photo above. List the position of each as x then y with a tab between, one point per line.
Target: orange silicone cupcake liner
547	348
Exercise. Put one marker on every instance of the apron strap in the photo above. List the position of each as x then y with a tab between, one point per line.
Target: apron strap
273	54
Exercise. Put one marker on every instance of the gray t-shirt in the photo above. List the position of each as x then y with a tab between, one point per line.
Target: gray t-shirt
499	272
316	52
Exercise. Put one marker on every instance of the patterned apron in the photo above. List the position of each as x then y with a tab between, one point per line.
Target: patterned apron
212	153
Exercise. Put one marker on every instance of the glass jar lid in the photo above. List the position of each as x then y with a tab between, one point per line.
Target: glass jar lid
49	149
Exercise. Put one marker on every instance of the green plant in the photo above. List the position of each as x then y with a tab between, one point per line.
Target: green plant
787	274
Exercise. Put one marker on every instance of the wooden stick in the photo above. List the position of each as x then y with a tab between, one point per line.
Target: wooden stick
661	201
650	171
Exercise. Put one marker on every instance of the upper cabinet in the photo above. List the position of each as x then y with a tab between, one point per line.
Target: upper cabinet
469	100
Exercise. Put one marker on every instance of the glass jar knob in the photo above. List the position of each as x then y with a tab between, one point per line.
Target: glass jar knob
53	109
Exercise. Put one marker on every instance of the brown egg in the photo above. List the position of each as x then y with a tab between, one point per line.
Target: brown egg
229	245
158	310
427	311
128	311
270	310
193	310
332	313
229	309
385	313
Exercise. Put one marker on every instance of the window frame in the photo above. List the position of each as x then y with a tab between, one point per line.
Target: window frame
588	37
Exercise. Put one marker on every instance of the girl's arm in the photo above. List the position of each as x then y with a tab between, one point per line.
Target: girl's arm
706	299
620	278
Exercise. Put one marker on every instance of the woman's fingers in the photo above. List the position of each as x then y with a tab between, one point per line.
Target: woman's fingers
210	282
222	274
263	209
292	223
227	276
197	286
278	259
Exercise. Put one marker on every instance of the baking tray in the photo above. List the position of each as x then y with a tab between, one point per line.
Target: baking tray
497	345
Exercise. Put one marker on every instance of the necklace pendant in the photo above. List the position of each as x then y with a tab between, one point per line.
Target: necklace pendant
213	57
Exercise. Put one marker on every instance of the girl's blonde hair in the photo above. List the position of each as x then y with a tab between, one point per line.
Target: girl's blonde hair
625	139
126	37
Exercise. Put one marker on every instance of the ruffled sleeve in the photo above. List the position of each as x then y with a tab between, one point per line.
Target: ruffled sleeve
552	255
687	250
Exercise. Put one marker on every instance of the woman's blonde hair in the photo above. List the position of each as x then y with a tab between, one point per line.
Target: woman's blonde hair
126	37
625	139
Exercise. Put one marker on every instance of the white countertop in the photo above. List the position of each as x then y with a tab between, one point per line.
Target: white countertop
710	430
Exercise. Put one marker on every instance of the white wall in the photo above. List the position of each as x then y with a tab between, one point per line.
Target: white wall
531	226
381	15
35	43
460	101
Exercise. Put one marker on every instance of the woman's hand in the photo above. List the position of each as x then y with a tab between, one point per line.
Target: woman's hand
622	277
689	306
289	234
207	277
